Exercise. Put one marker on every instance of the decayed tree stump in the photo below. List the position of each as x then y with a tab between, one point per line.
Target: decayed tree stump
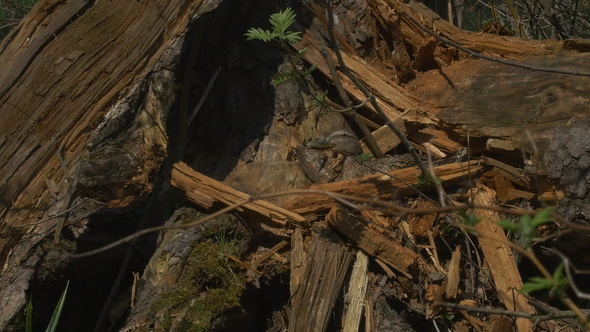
89	82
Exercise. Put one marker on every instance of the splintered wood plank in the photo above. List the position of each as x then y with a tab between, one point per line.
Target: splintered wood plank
383	88
526	107
395	104
357	292
512	173
322	281
438	138
205	191
375	244
419	224
385	137
377	186
499	259
391	97
453	274
298	261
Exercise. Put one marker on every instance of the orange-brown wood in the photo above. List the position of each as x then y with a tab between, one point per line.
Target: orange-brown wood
499	259
377	186
205	191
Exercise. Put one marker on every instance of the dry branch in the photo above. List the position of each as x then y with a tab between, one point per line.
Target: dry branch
205	191
378	186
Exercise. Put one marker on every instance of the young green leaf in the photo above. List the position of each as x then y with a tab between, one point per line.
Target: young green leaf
469	219
260	34
560	281
535	284
508	225
542	217
282	20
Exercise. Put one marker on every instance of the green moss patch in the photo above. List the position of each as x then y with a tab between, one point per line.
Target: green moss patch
211	284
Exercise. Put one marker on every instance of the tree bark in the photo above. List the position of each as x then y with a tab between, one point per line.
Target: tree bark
68	64
89	82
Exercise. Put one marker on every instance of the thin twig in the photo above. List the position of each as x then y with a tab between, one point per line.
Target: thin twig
204	95
493	311
373	201
371	143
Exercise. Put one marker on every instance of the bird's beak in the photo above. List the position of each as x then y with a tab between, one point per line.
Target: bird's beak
320	144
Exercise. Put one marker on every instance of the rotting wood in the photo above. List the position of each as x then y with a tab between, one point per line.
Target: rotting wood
377	218
432	252
434	294
396	101
510	172
421	223
501	186
298	261
477	42
513	194
386	139
501	119
377	186
369	314
499	259
357	293
477	324
321	283
269	253
453	276
376	245
438	138
205	191
61	73
72	71
386	269
390	97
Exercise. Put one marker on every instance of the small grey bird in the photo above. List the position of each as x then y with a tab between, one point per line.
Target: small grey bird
342	141
347	143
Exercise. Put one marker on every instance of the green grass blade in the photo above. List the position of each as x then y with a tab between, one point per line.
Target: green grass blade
52	327
29	315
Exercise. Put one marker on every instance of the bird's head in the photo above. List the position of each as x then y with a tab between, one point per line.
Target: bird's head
341	141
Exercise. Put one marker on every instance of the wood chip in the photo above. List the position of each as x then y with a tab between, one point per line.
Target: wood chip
453	274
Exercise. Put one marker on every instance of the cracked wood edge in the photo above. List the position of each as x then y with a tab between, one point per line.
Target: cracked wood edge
500	261
72	65
357	293
378	186
376	245
205	192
